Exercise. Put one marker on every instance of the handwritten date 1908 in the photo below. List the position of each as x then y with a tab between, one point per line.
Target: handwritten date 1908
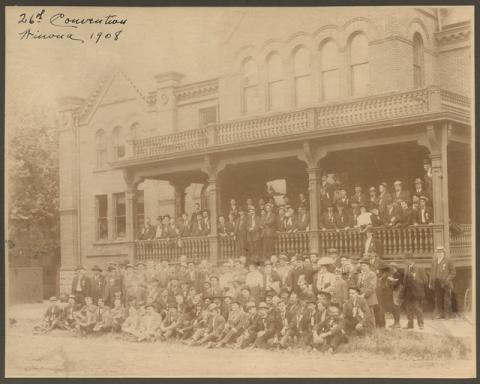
105	36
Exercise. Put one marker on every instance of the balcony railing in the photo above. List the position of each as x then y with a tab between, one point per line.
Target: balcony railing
396	241
367	110
195	248
461	241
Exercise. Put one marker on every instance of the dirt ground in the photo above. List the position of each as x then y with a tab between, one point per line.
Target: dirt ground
62	355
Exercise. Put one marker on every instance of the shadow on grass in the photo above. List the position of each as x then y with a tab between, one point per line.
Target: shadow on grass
409	345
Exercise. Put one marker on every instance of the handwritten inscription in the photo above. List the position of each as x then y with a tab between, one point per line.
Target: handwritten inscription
61	22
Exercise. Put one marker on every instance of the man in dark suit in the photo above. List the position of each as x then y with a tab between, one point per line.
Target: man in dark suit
424	213
405	214
269	232
399	194
427	166
184	226
80	285
372	201
367	284
414	293
328	220
371	244
253	234
198	225
148	231
241	233
391	215
358	197
441	281
384	198
303	219
419	190
342	217
98	284
357	313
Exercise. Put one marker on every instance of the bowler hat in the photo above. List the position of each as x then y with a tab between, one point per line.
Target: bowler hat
424	198
325	293
383	183
262	304
397	182
96	268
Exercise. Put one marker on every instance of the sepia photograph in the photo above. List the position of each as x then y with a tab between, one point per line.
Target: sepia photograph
240	192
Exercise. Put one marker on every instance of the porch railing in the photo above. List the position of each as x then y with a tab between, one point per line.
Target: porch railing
360	111
195	248
461	240
396	241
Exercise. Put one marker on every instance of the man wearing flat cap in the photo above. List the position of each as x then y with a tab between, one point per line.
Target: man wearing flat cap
52	317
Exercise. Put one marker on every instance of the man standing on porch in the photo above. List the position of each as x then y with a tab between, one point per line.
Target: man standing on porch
269	232
253	235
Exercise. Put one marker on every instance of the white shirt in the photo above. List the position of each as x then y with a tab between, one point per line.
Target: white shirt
364	219
367	244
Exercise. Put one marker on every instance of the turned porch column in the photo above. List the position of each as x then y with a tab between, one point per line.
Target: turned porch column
314	180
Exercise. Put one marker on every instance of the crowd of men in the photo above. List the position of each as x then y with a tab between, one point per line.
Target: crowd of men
255	226
289	301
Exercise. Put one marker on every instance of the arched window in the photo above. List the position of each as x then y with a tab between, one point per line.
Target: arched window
135	131
251	101
101	148
330	74
118	143
418	68
275	81
359	68
302	76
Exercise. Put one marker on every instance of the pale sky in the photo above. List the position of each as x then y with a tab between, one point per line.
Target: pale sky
153	40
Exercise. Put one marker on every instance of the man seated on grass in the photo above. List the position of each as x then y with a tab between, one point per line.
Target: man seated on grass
86	317
170	323
150	324
357	313
104	320
199	327
117	315
52	318
68	315
233	328
215	327
330	333
131	322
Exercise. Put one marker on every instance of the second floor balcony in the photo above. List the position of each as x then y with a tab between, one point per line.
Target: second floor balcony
377	111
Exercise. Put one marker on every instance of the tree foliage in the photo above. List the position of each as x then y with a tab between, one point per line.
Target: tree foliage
33	188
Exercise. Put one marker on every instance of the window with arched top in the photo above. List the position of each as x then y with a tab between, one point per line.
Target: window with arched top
359	64
118	141
302	76
330	76
275	81
251	102
101	148
135	131
418	66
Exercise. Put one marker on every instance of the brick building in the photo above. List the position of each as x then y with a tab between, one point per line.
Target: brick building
364	92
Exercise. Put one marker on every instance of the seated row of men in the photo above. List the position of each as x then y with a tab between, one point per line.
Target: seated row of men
291	321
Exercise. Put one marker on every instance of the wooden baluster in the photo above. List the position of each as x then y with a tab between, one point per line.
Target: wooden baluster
420	238
401	235
388	241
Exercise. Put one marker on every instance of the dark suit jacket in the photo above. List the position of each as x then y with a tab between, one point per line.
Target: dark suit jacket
343	219
303	222
97	287
85	283
364	316
443	272
383	200
198	228
147	233
253	230
328	222
270	225
368	285
391	217
402	196
428	216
